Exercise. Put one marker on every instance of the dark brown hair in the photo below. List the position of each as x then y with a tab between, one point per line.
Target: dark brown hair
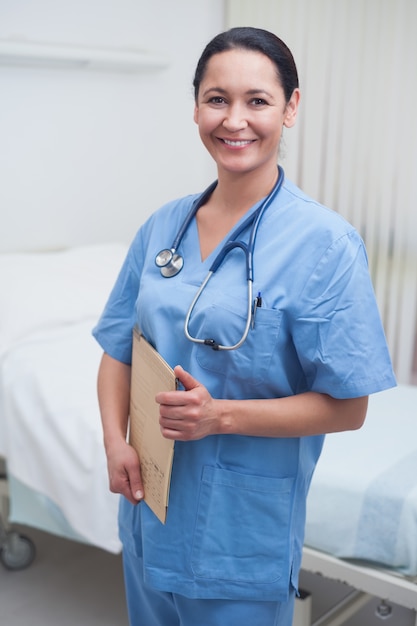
258	40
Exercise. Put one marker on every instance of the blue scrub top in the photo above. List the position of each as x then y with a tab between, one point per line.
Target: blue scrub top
236	513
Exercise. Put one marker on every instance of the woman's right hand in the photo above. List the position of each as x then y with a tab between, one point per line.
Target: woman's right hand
124	472
123	464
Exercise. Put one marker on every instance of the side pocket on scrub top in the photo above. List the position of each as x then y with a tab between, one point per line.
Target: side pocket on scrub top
242	527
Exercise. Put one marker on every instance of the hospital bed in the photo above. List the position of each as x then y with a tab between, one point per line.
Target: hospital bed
362	507
50	431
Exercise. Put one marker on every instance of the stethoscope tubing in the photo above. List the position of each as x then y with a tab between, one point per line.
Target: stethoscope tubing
211	342
197	204
248	250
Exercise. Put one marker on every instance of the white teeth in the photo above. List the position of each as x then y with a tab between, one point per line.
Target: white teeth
236	143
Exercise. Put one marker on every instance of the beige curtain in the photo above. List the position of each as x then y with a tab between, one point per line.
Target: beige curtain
355	144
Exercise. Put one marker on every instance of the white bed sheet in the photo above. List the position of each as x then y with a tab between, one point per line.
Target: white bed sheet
52	436
363	499
50	430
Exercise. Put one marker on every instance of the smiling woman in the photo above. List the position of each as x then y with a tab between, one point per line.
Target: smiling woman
240	110
249	421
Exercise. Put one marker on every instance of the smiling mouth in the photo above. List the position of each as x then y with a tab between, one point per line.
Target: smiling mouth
238	143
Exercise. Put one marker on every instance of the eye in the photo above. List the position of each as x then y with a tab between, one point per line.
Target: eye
259	102
216	100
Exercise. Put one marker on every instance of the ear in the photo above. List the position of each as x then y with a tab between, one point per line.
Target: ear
196	113
291	109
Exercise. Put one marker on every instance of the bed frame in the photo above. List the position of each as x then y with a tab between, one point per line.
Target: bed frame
17	551
367	581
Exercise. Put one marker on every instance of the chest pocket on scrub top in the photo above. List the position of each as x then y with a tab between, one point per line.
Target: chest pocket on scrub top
225	323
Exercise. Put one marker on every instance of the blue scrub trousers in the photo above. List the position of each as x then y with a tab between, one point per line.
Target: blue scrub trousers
149	607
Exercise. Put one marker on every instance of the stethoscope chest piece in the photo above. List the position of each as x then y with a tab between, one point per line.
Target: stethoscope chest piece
170	262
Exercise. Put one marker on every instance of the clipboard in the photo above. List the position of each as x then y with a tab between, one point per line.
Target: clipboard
150	374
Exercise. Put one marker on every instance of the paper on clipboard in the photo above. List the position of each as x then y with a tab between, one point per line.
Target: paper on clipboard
150	374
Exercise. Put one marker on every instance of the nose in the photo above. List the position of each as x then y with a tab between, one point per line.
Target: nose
235	118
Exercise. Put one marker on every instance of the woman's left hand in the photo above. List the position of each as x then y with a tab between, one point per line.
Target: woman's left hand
187	415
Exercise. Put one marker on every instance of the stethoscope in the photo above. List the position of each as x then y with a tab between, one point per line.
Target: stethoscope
171	262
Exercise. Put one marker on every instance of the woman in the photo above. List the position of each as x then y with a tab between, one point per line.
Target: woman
249	422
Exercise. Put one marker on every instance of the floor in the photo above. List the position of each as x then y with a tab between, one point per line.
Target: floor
68	584
71	584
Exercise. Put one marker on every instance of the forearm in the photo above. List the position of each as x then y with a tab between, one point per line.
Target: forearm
194	413
114	400
113	388
294	416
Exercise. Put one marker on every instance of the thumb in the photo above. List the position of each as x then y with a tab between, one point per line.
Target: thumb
186	380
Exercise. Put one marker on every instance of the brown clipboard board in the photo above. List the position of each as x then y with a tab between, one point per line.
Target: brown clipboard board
150	375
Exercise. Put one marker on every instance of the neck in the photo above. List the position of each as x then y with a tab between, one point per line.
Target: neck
237	192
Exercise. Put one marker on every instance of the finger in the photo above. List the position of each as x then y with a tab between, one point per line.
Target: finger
124	487
136	486
185	378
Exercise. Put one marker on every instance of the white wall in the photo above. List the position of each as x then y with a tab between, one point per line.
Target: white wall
86	155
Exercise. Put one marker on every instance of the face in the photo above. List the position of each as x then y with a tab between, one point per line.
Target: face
241	110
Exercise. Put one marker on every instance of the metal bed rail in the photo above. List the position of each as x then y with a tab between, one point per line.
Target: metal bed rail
368	582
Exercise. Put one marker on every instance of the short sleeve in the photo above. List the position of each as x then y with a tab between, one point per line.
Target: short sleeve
338	332
115	326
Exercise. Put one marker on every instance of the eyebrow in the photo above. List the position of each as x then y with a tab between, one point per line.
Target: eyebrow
249	92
